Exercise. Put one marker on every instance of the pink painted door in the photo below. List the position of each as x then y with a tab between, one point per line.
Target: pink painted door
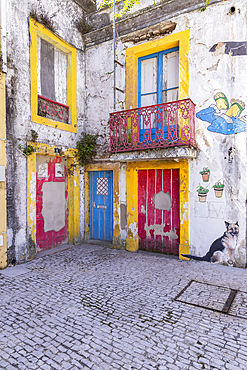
51	202
158	210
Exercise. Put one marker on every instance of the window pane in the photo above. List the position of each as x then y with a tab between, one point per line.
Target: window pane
170	70
60	76
148	100
170	95
149	75
47	80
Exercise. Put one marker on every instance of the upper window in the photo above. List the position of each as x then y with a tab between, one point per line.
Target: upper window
53	79
51	72
134	57
158	77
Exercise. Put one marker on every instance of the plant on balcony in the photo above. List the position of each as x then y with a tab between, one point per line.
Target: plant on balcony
218	189
202	193
86	149
205	174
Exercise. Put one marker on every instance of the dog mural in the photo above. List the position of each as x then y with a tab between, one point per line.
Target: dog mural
222	250
223	118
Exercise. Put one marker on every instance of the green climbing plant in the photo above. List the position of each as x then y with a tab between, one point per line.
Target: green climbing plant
86	148
27	150
205	5
128	5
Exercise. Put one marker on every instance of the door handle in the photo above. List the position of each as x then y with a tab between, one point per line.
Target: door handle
94	205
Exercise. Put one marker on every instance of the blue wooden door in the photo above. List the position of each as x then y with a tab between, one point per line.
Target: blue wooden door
101	208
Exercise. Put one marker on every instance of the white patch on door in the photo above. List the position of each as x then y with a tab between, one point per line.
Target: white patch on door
43	170
59	170
163	201
54	202
143	209
159	230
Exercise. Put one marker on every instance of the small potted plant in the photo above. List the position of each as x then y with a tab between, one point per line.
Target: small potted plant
205	174
218	189
202	193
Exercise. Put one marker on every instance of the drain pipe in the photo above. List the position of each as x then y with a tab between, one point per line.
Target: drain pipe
114	50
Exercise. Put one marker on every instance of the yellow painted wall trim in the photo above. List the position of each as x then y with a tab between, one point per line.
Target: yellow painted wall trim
37	29
180	39
87	206
132	242
3	208
73	191
115	167
31	197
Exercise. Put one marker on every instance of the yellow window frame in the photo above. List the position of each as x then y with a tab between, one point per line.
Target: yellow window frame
37	29
180	39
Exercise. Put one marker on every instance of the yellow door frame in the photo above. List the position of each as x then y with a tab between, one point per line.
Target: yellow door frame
132	241
37	29
115	167
73	192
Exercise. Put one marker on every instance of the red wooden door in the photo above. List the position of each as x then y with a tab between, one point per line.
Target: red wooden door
158	210
51	202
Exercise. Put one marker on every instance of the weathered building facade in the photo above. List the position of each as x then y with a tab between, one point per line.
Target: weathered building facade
170	164
45	109
177	141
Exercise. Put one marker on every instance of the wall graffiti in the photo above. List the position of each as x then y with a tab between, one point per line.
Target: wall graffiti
232	48
222	250
218	189
205	174
202	193
224	119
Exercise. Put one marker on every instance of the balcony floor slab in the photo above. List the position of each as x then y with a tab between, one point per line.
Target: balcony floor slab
165	154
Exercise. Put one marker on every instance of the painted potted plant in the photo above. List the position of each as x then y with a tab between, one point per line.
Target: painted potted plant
218	189
205	174
202	193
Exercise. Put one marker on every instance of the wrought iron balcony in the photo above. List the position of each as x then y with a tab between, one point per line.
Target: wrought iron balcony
52	109
157	126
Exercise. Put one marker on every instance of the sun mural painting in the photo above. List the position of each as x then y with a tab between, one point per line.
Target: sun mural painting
223	118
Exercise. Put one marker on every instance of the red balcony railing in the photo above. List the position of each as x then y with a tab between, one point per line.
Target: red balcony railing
52	109
156	126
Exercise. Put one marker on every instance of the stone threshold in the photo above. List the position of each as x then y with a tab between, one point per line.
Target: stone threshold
53	250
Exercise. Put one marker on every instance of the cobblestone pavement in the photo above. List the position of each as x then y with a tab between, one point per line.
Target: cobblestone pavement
92	307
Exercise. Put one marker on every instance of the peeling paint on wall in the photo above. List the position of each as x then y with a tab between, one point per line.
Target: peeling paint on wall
133	228
232	48
185	212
